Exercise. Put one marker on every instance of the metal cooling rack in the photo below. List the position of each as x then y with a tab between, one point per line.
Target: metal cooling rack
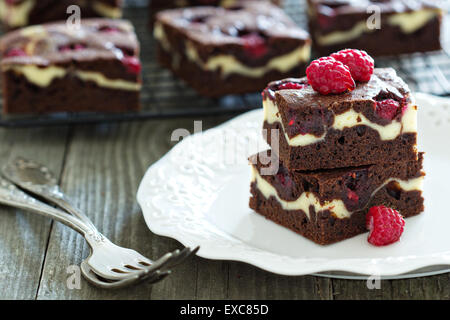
165	96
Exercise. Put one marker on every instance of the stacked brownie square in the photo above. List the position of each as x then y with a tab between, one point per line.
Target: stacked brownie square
335	156
159	5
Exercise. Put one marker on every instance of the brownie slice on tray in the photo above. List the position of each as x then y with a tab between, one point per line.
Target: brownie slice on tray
54	68
220	51
158	5
374	123
327	206
20	13
404	26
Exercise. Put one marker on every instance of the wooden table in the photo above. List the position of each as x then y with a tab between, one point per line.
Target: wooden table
100	167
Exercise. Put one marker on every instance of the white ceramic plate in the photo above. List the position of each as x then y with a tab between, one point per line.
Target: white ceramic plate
198	194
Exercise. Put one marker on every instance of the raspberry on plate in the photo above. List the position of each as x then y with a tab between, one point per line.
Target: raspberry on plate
385	225
327	75
361	65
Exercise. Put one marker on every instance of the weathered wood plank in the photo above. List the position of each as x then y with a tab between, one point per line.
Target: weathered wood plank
429	288
358	289
435	287
248	282
24	236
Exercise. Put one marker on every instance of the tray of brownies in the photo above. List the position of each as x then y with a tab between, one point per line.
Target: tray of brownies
142	60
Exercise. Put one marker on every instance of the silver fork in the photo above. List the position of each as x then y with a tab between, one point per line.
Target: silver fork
108	265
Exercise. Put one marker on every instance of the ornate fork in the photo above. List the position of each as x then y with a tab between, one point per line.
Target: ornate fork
108	265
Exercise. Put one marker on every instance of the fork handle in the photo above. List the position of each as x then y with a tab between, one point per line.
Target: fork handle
40	181
61	201
11	196
92	235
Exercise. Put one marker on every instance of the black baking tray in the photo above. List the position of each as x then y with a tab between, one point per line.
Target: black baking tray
164	96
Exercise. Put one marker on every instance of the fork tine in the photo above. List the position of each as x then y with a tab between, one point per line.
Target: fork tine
187	253
160	277
153	274
141	259
181	257
122	270
98	281
162	265
176	257
156	276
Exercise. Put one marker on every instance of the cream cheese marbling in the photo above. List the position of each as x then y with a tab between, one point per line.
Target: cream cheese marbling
307	199
228	64
348	119
107	11
409	22
16	15
43	76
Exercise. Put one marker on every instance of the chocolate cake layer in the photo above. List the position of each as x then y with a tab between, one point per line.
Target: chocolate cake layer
387	27
327	206
20	13
51	67
56	97
315	131
225	44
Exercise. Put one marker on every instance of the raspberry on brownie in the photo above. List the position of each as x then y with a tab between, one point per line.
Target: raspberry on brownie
53	68
404	26
222	51
20	13
327	206
327	75
374	123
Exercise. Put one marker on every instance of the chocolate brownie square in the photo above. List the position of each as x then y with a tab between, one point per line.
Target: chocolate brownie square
54	68
327	206
20	13
158	5
310	131
386	27
222	51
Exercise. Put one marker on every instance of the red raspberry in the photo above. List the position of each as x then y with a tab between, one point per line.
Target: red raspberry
15	52
327	75
109	29
291	85
387	109
361	65
132	63
385	225
255	44
352	195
